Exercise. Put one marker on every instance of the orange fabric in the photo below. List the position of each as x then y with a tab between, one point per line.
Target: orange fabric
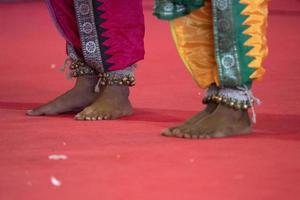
194	38
257	10
193	35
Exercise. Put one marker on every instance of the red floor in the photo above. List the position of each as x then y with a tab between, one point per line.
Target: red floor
127	159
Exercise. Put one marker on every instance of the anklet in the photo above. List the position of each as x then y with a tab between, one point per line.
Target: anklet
119	77
116	79
227	101
124	77
79	68
233	98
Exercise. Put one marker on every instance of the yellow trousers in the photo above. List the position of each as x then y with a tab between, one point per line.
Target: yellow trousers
195	40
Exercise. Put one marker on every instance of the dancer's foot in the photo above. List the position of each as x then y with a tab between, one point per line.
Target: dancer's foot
80	96
222	122
112	103
178	130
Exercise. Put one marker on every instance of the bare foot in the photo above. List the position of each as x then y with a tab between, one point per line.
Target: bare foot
222	122
112	103
80	96
178	130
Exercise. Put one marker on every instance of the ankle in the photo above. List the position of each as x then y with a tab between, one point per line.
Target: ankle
87	79
118	90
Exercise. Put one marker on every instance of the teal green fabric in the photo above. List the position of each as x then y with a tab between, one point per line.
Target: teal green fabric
231	53
230	49
172	9
241	38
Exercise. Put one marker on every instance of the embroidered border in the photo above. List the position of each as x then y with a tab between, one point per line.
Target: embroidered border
88	34
225	44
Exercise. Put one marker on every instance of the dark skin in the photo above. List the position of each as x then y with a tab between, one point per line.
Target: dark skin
111	103
72	100
216	121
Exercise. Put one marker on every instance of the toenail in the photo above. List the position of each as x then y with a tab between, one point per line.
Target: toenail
87	118
166	132
176	131
29	112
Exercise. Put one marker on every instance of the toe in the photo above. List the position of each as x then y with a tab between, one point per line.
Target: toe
87	118
198	132
187	136
177	133
107	116
79	116
100	117
87	115
31	112
34	112
93	116
167	132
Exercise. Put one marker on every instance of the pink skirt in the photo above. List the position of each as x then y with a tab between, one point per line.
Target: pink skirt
110	33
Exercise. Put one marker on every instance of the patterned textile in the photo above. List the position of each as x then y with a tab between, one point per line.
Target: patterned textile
107	35
224	42
171	9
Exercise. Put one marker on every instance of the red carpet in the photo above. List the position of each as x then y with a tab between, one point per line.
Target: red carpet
127	159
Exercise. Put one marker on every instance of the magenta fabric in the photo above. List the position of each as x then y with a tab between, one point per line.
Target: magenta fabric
124	23
64	17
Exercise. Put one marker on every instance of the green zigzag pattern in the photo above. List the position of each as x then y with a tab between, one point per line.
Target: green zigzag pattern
241	38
